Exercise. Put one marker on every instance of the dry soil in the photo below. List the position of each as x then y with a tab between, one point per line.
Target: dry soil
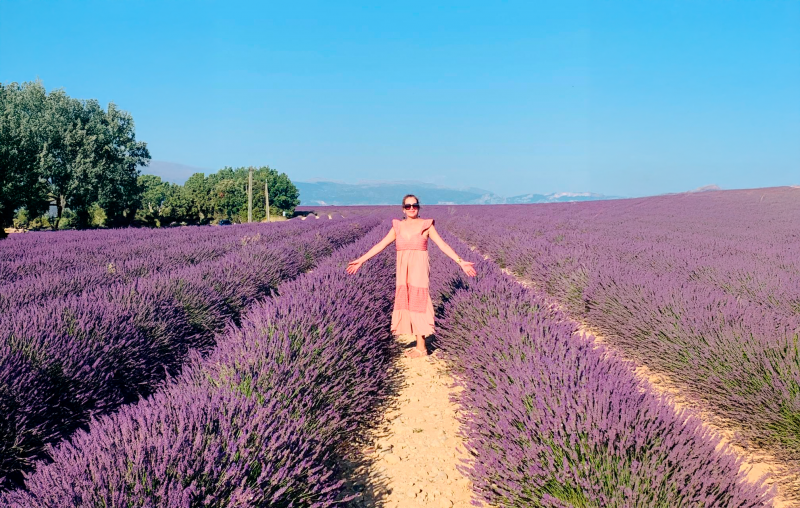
412	459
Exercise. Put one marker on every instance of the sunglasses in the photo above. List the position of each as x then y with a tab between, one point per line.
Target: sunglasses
410	206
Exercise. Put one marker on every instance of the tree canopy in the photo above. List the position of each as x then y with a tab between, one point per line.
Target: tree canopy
69	152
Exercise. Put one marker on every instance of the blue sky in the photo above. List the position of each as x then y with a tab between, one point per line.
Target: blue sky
625	98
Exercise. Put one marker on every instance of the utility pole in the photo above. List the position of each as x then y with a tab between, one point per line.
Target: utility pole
266	195
250	195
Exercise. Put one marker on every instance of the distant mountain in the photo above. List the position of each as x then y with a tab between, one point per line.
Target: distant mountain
390	193
558	197
386	193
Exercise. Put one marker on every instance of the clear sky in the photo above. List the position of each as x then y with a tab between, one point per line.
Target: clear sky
619	97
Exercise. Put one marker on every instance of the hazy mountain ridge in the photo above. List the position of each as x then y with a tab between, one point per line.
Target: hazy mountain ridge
326	193
558	197
390	193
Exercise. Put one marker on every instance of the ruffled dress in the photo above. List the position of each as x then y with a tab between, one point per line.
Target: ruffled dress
413	309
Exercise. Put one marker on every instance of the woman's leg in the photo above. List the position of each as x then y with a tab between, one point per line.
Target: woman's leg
419	349
421	345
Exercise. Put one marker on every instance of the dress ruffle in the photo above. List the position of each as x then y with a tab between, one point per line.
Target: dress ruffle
405	322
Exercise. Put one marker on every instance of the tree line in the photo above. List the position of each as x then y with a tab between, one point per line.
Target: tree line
83	162
220	195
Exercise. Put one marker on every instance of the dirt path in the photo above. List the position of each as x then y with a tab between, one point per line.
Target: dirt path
412	459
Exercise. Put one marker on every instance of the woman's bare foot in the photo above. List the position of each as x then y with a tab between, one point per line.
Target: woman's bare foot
416	353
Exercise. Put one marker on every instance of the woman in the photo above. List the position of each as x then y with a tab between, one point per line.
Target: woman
413	309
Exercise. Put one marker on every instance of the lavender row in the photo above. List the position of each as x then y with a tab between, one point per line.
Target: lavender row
26	254
50	252
552	420
702	287
82	356
57	269
260	421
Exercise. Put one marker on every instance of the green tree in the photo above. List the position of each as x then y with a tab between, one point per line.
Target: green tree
199	191
163	202
67	157
177	204
228	198
121	156
21	131
220	195
90	155
283	195
153	193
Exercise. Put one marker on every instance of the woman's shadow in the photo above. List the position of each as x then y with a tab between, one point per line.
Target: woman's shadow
358	459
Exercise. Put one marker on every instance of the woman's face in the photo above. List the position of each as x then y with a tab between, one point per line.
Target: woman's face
413	212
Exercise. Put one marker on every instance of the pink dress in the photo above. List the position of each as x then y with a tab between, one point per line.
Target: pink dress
413	309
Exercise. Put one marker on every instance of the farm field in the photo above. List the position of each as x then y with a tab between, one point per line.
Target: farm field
243	367
81	339
702	288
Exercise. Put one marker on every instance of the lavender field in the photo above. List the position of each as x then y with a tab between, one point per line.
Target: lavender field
254	423
235	366
552	420
80	339
704	288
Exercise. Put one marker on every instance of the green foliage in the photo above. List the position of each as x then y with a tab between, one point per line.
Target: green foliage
97	216
199	190
229	202
22	218
68	220
221	195
20	147
70	152
163	202
229	198
177	204
90	155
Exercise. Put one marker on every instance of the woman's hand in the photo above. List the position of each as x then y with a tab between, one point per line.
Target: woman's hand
468	268
353	266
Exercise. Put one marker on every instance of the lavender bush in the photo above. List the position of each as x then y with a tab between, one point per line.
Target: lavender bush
258	422
702	287
63	363
553	420
186	446
147	250
72	262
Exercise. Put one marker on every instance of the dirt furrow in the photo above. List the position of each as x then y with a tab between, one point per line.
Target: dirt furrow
412	459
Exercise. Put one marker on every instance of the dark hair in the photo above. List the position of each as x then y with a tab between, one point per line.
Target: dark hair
409	196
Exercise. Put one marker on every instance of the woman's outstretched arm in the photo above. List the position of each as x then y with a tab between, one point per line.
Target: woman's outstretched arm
449	252
353	266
